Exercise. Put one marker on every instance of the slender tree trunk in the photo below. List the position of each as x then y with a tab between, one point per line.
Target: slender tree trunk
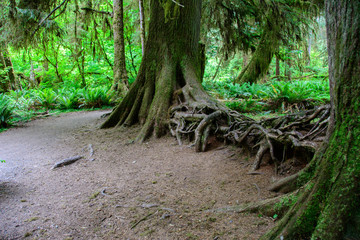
170	71
120	75
245	60
277	66
142	25
79	54
306	49
328	204
288	65
309	50
32	75
45	68
261	59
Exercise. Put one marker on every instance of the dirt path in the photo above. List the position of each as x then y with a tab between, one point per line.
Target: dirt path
157	190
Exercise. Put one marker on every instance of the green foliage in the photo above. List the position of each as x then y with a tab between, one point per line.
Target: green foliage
46	98
6	111
96	97
69	98
25	102
274	95
285	202
246	105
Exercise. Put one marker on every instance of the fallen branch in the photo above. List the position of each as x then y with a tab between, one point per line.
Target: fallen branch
66	161
44	19
91	150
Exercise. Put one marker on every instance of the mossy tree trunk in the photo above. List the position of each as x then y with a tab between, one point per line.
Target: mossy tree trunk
142	25
10	82
328	203
170	71
261	59
120	81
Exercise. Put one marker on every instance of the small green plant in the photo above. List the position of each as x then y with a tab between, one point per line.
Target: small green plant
96	97
6	111
69	98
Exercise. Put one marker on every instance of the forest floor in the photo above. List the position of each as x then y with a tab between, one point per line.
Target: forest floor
155	190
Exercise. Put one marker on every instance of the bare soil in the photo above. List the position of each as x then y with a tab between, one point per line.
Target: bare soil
155	190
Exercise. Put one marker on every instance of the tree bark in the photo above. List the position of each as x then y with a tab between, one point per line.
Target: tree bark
120	75
4	83
79	51
142	25
170	71
329	203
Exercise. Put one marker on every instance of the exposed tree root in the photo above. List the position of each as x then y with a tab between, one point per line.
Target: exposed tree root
268	207
281	137
286	185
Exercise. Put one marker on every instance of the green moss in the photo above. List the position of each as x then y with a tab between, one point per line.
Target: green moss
171	10
308	173
285	202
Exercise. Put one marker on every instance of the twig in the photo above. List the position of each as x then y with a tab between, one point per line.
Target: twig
141	220
44	19
177	3
97	11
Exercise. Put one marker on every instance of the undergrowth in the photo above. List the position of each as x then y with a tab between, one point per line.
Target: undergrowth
23	105
6	111
273	96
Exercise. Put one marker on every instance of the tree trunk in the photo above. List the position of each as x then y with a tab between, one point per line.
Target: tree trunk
32	81
288	65
277	66
5	61
261	59
79	51
170	71
245	60
120	75
306	50
4	83
328	205
142	26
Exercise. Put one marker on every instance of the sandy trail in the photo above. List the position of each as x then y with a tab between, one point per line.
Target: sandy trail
156	190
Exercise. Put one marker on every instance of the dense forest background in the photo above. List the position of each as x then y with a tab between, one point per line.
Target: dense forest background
68	62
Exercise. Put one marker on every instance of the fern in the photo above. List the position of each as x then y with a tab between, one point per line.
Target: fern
6	111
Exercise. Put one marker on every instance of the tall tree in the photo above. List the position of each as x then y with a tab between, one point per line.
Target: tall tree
170	72
260	26
120	75
261	58
327	205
